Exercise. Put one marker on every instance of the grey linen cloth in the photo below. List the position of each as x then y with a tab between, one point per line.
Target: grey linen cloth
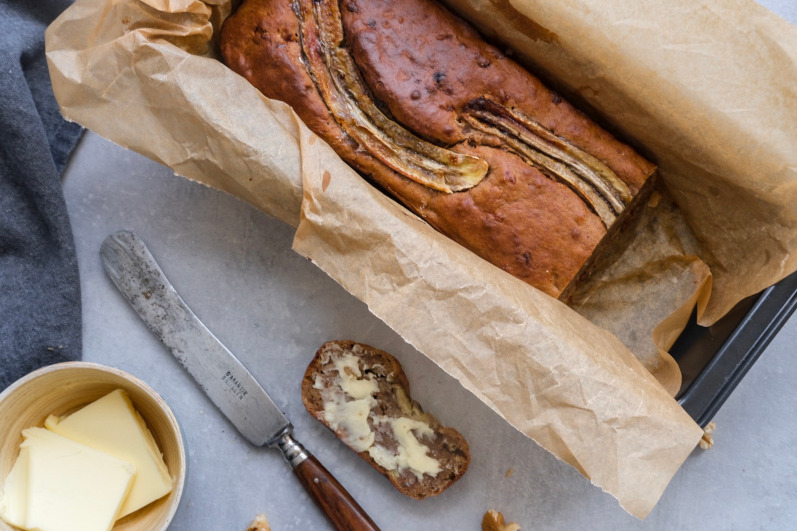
40	314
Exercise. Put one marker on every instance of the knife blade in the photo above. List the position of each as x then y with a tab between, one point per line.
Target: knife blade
228	384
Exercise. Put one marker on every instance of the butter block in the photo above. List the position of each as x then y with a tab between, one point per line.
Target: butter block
72	487
14	501
113	426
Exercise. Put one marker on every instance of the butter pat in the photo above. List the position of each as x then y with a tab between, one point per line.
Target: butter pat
348	368
111	425
14	503
351	419
348	411
411	453
71	487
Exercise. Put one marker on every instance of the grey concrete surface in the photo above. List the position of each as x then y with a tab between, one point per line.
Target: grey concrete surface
234	267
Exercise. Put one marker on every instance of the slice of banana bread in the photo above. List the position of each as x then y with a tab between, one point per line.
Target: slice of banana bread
363	396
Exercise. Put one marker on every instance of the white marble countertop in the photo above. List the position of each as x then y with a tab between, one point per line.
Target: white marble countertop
273	309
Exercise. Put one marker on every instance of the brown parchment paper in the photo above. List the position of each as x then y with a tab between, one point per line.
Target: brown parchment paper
568	384
705	87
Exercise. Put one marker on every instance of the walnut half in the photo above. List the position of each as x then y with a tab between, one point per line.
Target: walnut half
260	523
494	521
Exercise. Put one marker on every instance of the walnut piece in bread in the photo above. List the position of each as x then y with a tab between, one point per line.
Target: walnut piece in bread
363	396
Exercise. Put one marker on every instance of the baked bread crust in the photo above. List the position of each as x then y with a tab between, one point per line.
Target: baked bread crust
425	68
390	401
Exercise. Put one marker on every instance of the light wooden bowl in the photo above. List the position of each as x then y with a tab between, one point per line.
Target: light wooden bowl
65	387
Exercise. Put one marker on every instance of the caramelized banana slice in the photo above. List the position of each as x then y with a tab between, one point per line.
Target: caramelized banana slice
595	182
338	81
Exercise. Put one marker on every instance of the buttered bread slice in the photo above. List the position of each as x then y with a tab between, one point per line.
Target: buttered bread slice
363	396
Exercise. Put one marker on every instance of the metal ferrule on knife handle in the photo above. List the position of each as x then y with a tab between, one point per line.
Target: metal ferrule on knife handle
293	452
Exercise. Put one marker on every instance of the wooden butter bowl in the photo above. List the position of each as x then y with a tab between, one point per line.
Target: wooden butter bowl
65	387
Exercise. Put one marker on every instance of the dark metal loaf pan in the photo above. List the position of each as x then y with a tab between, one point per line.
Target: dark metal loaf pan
714	359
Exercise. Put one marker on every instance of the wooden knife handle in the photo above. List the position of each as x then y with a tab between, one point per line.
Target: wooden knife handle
339	507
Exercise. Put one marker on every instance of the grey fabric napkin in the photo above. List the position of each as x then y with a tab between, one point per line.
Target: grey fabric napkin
40	315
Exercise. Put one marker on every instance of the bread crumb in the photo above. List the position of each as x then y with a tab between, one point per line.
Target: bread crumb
494	521
707	442
654	199
260	523
509	472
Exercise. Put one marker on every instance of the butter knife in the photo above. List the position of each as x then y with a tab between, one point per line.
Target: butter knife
229	385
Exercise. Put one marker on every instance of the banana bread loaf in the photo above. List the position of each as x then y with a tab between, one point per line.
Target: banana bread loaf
415	100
